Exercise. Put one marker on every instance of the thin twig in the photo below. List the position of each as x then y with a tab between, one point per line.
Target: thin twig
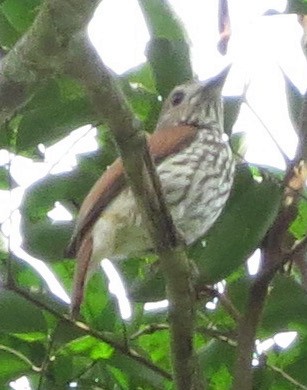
9	273
287	377
20	356
285	157
276	245
299	246
300	260
46	361
229	307
94	333
243	373
149	329
225	302
230	337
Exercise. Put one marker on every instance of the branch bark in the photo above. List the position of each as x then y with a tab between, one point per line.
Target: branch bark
41	52
104	337
111	106
275	252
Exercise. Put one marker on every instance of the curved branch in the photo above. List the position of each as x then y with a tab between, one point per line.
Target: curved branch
110	105
40	53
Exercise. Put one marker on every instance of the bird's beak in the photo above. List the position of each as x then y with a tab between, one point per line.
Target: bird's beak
217	82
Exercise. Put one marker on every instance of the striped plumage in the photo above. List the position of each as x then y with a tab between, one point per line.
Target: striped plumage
195	167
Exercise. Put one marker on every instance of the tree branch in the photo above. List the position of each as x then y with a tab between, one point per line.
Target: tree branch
111	106
225	301
40	53
287	377
276	248
149	329
121	347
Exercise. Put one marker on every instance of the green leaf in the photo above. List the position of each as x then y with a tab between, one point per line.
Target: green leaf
168	51
249	213
161	20
299	226
141	74
232	105
297	7
170	63
40	198
34	351
64	333
144	103
156	346
217	359
139	376
286	306
31	321
47	239
238	292
60	371
295	102
51	123
26	276
98	306
12	366
265	378
88	346
64	271
8	35
295	364
57	107
4	179
238	145
20	13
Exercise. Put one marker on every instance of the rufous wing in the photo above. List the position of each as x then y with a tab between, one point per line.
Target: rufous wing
162	144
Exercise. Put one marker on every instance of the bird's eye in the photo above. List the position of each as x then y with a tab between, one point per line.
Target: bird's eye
177	98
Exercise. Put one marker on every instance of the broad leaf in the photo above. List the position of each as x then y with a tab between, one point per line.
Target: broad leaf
98	307
20	13
30	322
286	306
8	35
168	51
297	7
12	367
232	105
295	102
217	359
57	108
42	237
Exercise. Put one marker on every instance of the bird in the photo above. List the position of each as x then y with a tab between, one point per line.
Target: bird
195	167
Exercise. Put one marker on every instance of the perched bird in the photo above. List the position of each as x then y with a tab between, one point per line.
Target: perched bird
195	167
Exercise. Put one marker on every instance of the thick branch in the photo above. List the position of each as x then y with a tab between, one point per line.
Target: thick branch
40	53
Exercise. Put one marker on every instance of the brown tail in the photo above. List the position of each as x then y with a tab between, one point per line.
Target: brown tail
83	260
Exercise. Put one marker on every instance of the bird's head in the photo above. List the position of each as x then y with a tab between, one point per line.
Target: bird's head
195	103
